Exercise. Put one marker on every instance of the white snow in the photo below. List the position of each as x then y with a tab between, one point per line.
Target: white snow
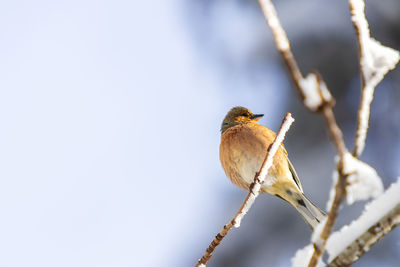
302	257
371	214
375	58
315	91
332	190
247	205
316	235
264	171
375	61
363	181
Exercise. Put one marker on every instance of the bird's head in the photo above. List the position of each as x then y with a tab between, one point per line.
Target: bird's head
238	115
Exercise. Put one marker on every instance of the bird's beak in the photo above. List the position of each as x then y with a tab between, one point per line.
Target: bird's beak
256	117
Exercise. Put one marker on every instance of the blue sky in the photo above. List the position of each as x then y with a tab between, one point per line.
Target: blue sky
101	147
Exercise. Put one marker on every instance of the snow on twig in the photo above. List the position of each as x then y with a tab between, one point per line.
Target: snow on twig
368	224
307	87
312	89
316	235
363	181
302	257
348	244
253	192
376	61
316	97
315	92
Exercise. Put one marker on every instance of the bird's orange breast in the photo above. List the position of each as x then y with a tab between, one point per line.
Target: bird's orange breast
242	151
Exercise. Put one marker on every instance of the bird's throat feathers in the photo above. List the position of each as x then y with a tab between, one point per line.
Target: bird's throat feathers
226	125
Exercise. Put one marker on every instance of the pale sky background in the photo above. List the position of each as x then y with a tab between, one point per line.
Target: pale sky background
109	133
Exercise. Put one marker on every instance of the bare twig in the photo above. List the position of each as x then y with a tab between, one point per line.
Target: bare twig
306	87
282	43
375	61
253	192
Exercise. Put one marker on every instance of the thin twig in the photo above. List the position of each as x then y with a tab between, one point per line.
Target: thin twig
282	43
325	107
253	191
372	55
375	61
340	194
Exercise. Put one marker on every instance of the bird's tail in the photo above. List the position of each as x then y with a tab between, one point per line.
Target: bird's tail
293	194
310	212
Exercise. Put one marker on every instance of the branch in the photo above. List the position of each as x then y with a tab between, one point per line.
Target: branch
317	98
376	61
312	89
254	190
369	238
380	217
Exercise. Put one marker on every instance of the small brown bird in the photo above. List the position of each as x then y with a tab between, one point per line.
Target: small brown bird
244	145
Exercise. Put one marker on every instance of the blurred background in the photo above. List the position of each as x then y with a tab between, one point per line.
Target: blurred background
110	114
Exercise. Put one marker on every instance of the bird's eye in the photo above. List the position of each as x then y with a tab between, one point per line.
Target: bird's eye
245	114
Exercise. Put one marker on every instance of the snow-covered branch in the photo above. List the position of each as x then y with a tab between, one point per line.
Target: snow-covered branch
253	192
317	98
379	217
376	61
312	89
363	182
352	177
348	244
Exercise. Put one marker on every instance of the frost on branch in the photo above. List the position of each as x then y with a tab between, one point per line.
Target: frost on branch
303	256
363	181
316	235
315	91
375	61
373	211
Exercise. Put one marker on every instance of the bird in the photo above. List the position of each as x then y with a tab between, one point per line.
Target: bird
243	148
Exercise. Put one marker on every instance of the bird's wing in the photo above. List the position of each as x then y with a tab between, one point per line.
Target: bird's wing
294	174
292	170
